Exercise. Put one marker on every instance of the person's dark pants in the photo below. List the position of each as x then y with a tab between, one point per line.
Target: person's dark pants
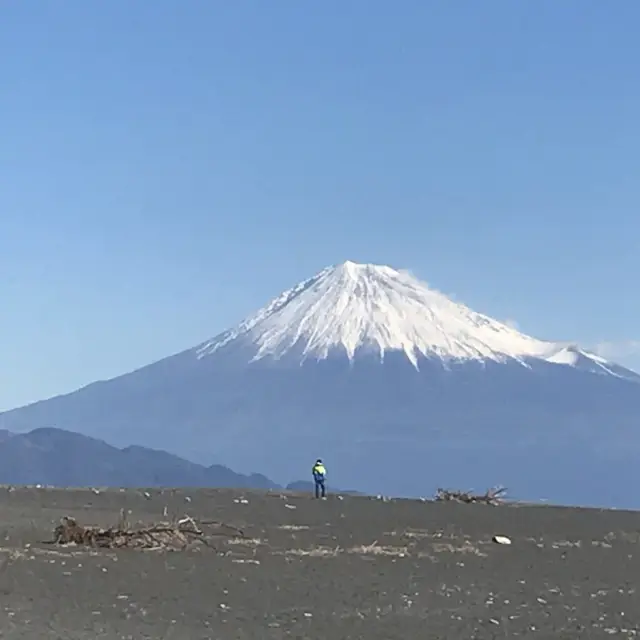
320	489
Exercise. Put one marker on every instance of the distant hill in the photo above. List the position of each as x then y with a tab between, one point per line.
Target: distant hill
65	459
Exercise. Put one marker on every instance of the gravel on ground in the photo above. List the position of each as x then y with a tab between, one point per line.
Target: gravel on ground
345	568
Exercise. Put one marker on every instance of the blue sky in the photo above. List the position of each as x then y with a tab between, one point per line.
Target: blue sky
167	167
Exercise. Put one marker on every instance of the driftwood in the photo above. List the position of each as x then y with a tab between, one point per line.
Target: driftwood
492	496
170	536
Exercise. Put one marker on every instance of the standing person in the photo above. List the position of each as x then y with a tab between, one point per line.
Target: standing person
319	477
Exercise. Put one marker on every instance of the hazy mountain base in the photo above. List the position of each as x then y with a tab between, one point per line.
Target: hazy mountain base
58	458
548	431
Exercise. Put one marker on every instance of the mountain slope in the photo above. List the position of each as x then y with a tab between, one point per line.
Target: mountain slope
397	387
65	459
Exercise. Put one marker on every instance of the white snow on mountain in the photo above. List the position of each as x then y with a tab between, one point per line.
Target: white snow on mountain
364	306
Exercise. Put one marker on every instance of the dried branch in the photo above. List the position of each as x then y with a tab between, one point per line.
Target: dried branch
177	535
493	496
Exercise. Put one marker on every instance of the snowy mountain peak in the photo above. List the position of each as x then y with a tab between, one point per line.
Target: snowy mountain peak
351	307
351	269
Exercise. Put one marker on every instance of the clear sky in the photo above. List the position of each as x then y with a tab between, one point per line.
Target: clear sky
166	167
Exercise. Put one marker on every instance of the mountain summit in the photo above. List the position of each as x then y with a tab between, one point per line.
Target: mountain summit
365	308
399	388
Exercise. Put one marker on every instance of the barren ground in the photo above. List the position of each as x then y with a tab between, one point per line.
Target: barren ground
344	568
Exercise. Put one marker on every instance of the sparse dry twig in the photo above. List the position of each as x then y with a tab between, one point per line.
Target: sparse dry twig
493	496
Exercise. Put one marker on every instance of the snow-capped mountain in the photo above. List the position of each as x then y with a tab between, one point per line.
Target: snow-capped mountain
399	388
352	308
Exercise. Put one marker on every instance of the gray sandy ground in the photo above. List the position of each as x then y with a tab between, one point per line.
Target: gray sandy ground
344	568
